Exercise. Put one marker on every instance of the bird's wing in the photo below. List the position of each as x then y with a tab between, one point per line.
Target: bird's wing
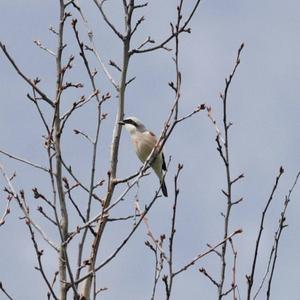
164	166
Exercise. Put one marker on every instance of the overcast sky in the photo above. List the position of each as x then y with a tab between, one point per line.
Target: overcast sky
264	108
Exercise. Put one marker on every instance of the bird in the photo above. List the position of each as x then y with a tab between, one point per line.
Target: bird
143	142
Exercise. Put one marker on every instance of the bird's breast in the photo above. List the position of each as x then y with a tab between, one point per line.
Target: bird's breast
143	143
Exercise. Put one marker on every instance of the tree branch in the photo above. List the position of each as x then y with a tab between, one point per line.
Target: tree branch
250	278
29	81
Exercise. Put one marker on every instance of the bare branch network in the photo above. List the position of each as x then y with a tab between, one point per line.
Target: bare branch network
79	208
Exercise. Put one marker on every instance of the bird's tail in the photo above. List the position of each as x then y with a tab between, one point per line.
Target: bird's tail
164	188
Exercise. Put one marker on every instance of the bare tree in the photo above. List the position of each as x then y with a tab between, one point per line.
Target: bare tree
78	280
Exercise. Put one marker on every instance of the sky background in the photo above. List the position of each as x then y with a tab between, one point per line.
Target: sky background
264	108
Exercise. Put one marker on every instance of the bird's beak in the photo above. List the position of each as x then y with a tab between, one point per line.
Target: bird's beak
121	123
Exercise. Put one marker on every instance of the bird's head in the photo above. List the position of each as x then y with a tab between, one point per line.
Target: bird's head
133	125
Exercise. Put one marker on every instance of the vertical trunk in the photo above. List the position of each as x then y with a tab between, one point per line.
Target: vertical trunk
87	284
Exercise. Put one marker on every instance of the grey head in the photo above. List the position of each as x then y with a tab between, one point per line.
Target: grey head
133	125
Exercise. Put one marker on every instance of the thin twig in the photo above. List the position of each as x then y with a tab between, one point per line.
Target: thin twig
34	99
250	278
168	280
147	224
199	256
39	254
277	236
123	218
29	81
27	162
75	106
29	222
204	272
24	208
278	233
40	45
79	182
99	5
124	242
92	47
5	292
6	210
159	261
233	284
218	131
41	210
181	29
224	153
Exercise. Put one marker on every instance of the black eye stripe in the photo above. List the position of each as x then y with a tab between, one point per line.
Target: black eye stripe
129	121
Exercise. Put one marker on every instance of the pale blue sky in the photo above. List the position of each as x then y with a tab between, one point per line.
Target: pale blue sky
264	107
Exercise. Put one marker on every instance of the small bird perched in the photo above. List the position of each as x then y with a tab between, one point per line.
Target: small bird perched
143	142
